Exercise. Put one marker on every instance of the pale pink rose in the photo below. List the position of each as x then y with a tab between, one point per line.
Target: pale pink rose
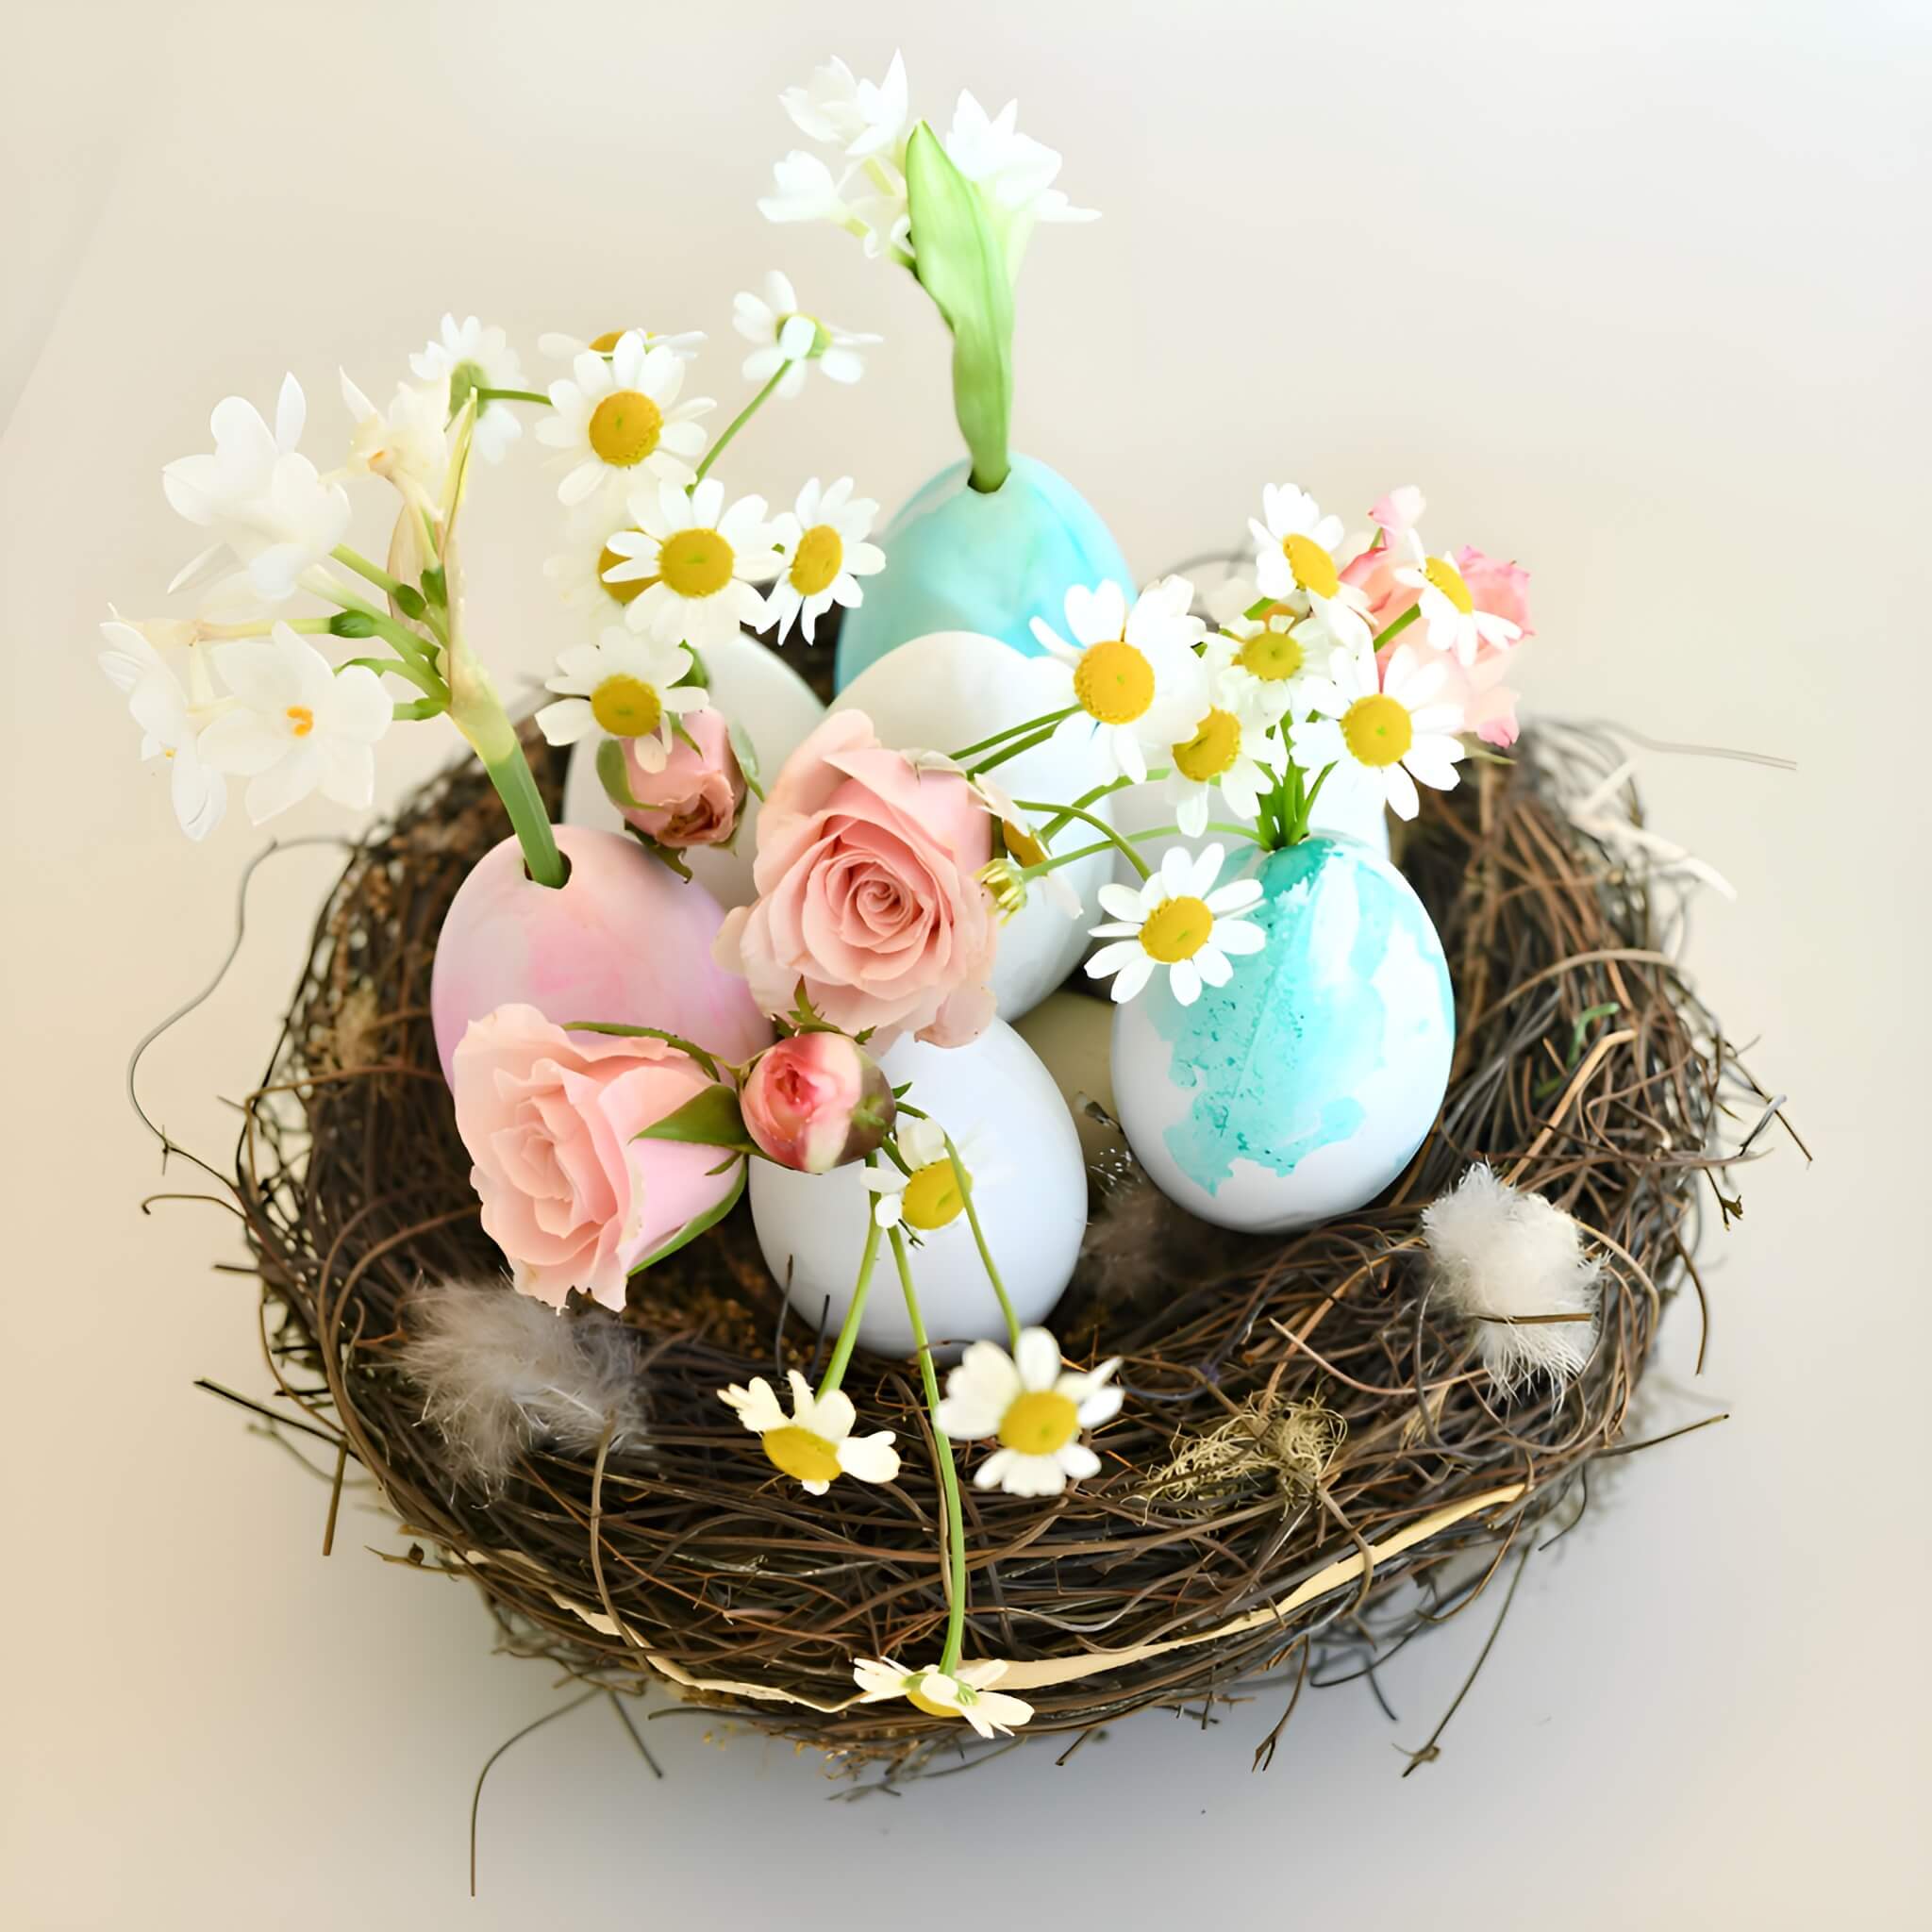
569	1194
817	1101
1502	589
697	796
867	898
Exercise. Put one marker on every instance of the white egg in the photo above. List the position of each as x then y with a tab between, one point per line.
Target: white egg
953	689
1141	808
775	709
1029	1188
1073	1034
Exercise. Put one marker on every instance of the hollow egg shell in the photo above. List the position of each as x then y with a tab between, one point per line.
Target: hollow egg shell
774	709
953	689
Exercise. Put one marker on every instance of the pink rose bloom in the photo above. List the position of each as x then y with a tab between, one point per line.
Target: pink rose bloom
867	897
816	1101
1502	589
697	796
569	1194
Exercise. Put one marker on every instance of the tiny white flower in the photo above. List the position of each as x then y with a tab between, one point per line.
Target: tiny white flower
1294	561
814	1444
1135	679
857	117
807	192
299	726
1011	169
467	356
1229	751
1181	920
695	558
789	339
964	1693
1448	611
821	553
629	686
406	443
561	348
1385	728
170	696
617	419
924	1195
1035	1406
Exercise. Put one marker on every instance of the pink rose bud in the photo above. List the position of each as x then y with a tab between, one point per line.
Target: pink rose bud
697	795
816	1101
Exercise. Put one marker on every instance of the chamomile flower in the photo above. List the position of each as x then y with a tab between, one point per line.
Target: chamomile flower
1295	560
578	571
822	554
469	355
786	338
1136	682
629	686
857	117
561	348
617	419
1384	729
695	558
170	696
1449	613
965	1692
814	1444
1222	754
926	1195
1035	1406
1262	664
299	724
1181	920
1018	846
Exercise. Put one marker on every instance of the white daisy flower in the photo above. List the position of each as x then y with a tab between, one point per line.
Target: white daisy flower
1011	170
695	558
789	339
1225	753
617	417
1384	729
857	117
561	348
170	696
470	356
821	553
925	1196
965	1692
1448	611
406	443
629	686
814	1444
578	571
1263	664
1036	1406
1179	919
300	725
1136	678
1295	560
259	495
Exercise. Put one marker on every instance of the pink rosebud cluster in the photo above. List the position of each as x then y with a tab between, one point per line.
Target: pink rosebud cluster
817	1101
695	798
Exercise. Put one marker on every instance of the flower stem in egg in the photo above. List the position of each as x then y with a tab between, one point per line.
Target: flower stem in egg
964	1182
1118	839
848	1331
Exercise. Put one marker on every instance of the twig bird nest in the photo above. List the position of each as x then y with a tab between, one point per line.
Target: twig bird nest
1314	1460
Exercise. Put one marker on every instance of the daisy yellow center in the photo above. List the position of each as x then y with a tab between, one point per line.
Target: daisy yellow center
1448	579
696	563
624	427
1022	844
300	719
1177	929
629	587
1314	569
626	706
801	1454
1113	682
919	1701
932	1198
1271	656
1213	748
1378	729
817	561
1038	1423
607	340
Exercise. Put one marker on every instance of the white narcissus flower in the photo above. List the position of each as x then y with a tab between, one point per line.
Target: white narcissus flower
170	696
616	419
695	558
814	1444
1012	169
857	117
1294	561
259	495
963	1692
406	443
561	348
1136	682
790	339
1225	753
629	686
807	192
821	553
1181	920
299	724
467	356
1035	1406
1383	728
1448	611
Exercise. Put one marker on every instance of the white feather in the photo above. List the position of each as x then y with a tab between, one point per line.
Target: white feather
502	1373
1498	1256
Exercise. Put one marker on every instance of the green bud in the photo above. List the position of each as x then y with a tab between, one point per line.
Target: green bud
352	623
409	600
435	586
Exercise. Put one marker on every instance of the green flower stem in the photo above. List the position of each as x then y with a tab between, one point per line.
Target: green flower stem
1052	830
1314	791
220	633
1117	840
510	395
1013	750
517	787
848	1332
1013	731
942	1455
1401	623
425	681
344	553
963	1181
739	421
1059	859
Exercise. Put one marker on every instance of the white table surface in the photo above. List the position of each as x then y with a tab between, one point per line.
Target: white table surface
1637	292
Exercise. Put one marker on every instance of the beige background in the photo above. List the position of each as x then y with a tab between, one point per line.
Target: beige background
1638	291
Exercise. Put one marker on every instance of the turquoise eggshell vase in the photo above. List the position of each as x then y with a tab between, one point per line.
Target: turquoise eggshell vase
1304	1086
960	558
